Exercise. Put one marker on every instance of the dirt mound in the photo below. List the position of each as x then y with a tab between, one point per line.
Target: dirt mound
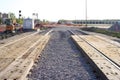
115	27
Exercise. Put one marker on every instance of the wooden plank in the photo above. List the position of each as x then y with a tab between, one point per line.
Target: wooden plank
4	62
91	52
17	49
108	40
19	39
111	51
17	70
10	69
36	52
22	71
76	38
110	71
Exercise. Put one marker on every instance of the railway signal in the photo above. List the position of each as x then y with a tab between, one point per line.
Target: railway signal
20	14
19	19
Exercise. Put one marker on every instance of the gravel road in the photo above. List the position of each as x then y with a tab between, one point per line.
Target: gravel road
61	60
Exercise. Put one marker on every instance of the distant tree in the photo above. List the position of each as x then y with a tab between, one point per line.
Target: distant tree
12	16
61	21
45	21
19	21
37	21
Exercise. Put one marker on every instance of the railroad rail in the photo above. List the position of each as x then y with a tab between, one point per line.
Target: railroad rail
18	57
106	63
102	38
18	39
111	47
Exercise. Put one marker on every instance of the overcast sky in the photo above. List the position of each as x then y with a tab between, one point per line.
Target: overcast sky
63	9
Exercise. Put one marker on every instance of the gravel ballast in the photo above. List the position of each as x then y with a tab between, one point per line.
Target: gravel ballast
61	60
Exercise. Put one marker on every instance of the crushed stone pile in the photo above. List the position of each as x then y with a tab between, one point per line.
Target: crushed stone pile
115	27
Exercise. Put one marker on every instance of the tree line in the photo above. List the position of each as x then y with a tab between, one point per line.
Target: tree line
13	18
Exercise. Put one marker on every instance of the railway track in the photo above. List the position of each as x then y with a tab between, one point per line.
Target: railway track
4	35
17	40
16	37
18	57
62	60
105	58
102	38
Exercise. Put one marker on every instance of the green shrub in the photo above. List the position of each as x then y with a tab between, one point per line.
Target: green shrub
103	31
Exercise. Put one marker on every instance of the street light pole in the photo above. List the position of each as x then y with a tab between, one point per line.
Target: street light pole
86	12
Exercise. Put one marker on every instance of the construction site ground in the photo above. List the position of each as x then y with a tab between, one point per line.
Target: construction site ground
58	54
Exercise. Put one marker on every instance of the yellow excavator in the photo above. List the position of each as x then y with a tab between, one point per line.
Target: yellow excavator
10	26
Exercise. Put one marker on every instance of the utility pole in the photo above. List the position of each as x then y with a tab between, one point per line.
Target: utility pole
86	13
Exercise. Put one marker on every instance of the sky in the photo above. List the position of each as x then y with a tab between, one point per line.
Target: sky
54	10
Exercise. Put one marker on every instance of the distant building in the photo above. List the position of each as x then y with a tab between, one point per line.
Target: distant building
4	15
112	21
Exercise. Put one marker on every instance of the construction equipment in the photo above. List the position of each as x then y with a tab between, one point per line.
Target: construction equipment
10	26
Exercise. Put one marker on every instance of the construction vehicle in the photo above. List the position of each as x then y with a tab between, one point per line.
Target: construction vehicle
10	29
10	26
